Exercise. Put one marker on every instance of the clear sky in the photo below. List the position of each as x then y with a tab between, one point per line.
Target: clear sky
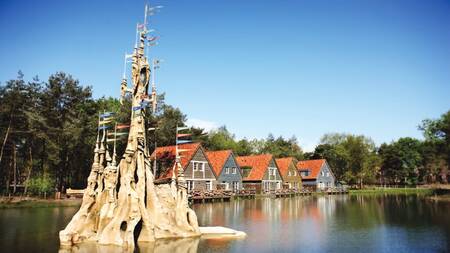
302	68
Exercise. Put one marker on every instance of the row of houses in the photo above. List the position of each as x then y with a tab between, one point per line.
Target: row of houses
211	170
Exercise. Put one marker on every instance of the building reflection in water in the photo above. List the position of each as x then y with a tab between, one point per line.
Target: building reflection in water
271	223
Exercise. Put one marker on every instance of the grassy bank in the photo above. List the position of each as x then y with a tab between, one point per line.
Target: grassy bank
36	202
380	190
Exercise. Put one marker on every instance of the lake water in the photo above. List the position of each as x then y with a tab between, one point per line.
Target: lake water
350	223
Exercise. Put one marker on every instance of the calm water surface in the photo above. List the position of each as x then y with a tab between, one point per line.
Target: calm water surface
301	224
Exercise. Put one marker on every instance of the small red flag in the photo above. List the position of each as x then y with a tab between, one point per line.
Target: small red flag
183	135
122	126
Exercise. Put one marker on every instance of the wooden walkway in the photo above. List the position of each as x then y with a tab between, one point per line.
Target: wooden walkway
210	196
222	195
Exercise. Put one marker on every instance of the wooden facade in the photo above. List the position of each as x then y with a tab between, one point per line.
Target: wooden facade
260	173
289	173
225	166
316	174
198	172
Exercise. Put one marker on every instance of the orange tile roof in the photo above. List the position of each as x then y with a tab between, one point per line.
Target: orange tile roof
258	163
218	159
283	165
313	166
168	152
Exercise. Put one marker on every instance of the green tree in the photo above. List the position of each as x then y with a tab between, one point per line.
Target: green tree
220	139
336	157
401	161
281	147
71	115
437	147
22	129
353	157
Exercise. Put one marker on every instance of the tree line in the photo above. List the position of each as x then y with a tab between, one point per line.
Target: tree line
48	131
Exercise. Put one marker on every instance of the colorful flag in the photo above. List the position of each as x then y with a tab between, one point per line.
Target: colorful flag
151	10
182	128
105	121
183	135
103	127
183	141
106	114
120	134
140	27
151	39
136	108
122	126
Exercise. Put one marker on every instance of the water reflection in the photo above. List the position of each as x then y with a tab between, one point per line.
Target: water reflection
307	224
184	245
332	223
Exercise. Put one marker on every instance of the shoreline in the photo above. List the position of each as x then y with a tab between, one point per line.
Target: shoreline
400	191
31	202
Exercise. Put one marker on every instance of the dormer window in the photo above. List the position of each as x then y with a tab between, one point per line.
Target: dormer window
304	173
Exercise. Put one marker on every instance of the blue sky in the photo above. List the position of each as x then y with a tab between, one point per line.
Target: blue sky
302	68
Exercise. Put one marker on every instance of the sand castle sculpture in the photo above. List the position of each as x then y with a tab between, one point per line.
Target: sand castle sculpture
119	196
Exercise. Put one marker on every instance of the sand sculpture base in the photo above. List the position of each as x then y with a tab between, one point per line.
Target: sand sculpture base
110	218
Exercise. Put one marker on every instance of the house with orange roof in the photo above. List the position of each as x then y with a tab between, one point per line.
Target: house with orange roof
289	173
225	166
260	172
198	171
316	174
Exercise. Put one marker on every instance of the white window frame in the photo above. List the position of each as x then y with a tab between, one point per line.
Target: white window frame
203	167
198	166
194	167
234	170
235	185
227	170
272	172
190	185
209	185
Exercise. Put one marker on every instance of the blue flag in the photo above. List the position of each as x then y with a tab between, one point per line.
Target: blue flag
103	127
183	141
106	114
